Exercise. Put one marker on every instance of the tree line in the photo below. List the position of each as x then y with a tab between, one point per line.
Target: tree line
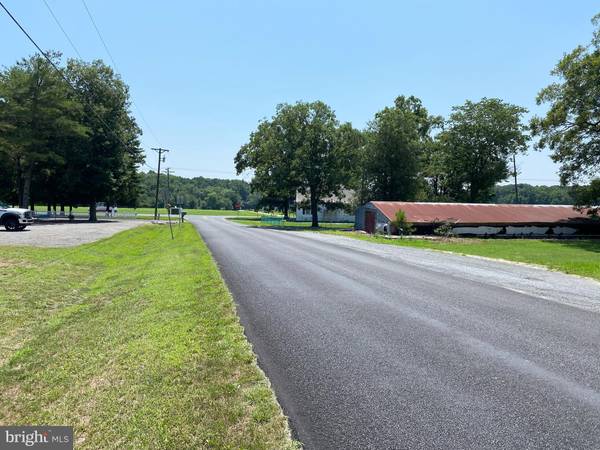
407	154
404	154
534	195
197	192
67	136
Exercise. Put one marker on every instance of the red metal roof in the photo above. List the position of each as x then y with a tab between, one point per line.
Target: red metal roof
477	213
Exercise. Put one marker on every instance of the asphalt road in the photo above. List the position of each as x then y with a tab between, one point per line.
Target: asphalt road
374	346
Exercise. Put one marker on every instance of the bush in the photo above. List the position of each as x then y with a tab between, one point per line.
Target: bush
444	229
402	224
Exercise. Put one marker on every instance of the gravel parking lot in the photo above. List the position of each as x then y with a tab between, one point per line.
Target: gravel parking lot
65	234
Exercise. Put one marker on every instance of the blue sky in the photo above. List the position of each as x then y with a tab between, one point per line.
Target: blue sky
204	72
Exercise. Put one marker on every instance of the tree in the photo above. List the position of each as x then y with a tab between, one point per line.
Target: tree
395	142
103	164
477	144
571	127
270	153
588	197
535	195
37	114
320	161
353	148
300	149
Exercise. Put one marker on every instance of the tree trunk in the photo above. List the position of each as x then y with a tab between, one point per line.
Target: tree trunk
19	182
62	209
26	186
286	209
93	217
314	208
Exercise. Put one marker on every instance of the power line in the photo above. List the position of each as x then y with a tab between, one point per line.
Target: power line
98	33
36	45
149	167
74	47
60	72
138	109
62	29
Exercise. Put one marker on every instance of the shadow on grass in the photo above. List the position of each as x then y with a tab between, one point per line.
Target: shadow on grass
589	245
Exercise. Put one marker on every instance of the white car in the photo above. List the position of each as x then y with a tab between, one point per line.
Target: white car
15	219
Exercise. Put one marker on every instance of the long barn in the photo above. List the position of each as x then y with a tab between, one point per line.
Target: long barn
479	219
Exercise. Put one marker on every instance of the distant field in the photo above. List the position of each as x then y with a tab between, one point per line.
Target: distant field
578	257
292	224
133	341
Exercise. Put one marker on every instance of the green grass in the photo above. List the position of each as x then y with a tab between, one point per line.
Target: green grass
291	224
578	257
133	341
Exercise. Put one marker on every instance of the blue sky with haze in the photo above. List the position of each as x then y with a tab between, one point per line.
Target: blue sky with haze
204	72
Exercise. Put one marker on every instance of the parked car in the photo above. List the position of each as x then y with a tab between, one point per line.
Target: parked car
15	219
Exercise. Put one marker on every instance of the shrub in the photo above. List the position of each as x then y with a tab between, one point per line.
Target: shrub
444	229
402	224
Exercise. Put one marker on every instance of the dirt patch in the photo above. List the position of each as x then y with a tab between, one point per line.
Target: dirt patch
64	234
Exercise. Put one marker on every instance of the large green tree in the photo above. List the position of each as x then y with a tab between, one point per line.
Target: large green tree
103	164
320	162
37	114
301	149
479	140
396	140
571	127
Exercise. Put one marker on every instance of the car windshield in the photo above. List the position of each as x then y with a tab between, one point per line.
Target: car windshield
3	205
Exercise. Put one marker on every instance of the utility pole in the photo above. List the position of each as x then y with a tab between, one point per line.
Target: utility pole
515	175
160	156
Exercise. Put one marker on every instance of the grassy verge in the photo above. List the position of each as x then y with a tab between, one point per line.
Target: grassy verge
134	341
290	224
578	257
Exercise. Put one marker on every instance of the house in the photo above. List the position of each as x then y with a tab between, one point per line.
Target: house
478	219
330	209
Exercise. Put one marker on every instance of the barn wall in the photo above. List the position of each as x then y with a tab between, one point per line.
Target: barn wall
381	220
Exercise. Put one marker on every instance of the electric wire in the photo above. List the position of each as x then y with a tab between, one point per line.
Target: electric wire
112	59
60	72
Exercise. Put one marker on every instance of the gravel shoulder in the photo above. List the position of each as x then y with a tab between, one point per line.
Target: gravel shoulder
65	234
535	281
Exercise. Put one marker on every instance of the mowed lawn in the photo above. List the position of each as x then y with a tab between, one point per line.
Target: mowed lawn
133	341
291	224
578	257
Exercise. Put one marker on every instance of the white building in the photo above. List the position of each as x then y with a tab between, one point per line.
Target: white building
330	209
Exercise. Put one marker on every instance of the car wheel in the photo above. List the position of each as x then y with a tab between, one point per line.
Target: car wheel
21	227
11	224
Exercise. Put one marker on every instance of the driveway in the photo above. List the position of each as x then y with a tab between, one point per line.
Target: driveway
65	234
374	346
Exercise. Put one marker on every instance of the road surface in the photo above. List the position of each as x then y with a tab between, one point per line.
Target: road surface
374	346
